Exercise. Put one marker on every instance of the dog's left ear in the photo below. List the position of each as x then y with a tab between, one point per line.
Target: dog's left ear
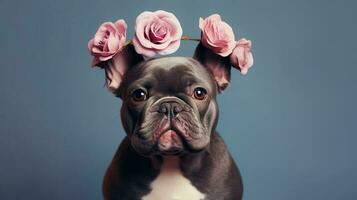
116	68
218	66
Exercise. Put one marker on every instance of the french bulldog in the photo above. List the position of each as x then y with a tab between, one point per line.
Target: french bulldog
169	112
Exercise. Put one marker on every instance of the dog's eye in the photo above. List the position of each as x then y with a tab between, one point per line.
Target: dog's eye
139	95
199	93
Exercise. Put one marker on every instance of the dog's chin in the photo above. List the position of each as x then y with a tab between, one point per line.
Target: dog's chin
170	143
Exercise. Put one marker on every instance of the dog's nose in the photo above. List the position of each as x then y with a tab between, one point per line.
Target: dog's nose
170	109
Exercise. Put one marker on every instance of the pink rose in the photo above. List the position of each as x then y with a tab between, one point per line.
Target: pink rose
242	57
217	35
107	41
157	32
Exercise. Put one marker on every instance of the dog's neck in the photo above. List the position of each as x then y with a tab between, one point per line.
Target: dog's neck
170	162
165	162
171	183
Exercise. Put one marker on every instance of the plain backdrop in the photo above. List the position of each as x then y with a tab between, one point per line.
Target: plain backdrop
290	124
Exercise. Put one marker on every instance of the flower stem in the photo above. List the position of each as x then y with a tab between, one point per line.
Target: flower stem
128	42
188	38
182	38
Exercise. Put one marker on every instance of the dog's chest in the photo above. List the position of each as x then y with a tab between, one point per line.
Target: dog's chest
172	185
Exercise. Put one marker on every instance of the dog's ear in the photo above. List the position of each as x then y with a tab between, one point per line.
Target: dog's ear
116	68
218	66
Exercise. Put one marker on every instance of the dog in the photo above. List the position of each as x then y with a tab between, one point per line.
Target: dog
169	113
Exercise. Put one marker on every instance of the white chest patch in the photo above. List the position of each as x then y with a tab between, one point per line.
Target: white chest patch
171	184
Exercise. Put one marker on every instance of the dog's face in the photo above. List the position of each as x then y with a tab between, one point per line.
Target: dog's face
169	106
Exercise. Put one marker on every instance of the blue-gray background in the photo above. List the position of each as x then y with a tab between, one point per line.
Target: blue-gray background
290	123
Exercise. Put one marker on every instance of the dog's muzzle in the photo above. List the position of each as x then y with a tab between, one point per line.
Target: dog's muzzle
169	138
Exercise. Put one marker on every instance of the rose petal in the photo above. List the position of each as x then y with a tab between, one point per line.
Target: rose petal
174	26
105	58
107	41
155	32
244	42
122	27
142	21
95	61
215	17
217	35
141	49
113	43
201	23
242	57
244	71
90	45
172	48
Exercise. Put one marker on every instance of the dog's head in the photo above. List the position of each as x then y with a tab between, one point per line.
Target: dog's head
169	104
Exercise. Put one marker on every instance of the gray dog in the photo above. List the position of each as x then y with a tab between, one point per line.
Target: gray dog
170	113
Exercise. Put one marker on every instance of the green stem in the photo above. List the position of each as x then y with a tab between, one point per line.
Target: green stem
128	42
188	38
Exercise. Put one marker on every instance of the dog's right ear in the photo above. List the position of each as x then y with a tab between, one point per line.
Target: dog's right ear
218	66
116	68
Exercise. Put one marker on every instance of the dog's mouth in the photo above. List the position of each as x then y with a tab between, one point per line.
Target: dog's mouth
170	142
161	134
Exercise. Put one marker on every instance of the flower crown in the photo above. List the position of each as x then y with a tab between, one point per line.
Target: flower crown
160	33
